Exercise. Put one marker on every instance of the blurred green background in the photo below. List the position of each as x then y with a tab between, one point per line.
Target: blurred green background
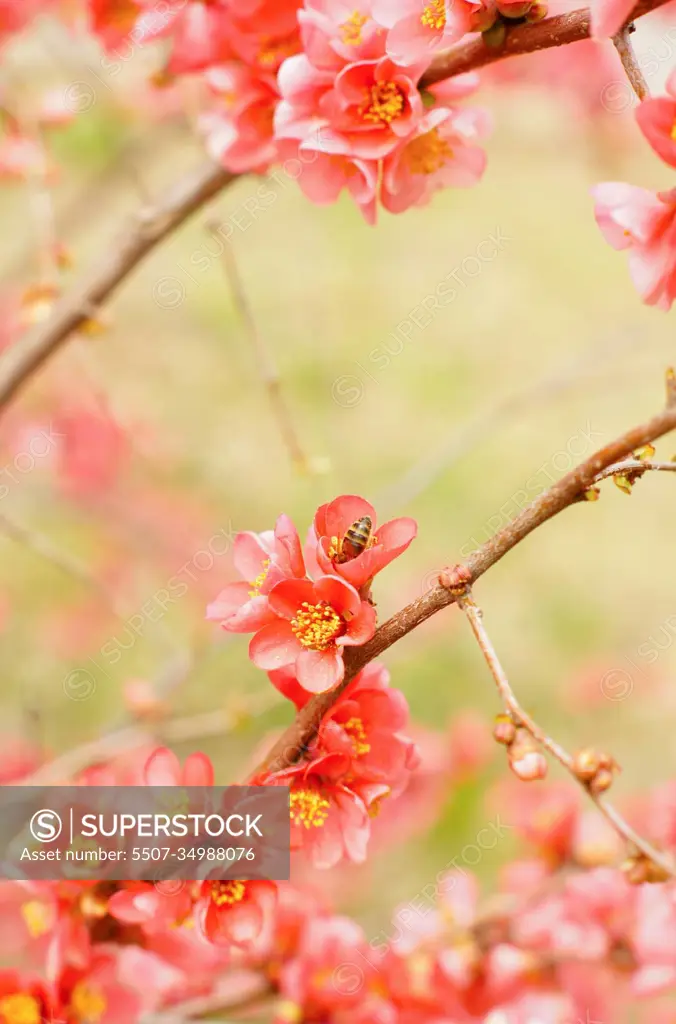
544	355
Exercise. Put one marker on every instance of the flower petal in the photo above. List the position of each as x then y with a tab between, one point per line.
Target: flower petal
274	646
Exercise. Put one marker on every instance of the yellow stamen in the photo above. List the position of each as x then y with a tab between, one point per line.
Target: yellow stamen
383	103
350	30
434	15
87	1003
273	51
308	808
354	728
428	153
673	132
227	893
37	918
20	1009
317	625
260	580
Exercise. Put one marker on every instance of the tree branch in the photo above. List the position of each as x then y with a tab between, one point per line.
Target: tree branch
150	226
622	43
521	718
524	38
453	582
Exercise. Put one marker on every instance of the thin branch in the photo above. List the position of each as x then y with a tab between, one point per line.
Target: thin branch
134	737
525	38
635	466
622	43
149	227
264	360
249	994
521	718
453	581
62	560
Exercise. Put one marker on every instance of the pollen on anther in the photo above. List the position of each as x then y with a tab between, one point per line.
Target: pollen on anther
260	580
317	625
354	727
350	30
434	15
227	893
427	153
308	808
383	103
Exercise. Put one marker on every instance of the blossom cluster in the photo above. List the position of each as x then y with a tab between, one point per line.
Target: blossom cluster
643	221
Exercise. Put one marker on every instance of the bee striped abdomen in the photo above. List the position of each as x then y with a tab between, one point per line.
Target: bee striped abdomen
356	539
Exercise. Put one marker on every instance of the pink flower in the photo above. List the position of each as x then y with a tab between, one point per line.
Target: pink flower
163	768
372	105
240	135
365	725
198	30
657	120
314	622
329	819
387	542
338	32
236	912
417	29
644	222
263	560
323	175
608	16
441	152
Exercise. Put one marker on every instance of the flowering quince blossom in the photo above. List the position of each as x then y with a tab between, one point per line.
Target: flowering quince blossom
417	29
329	818
263	560
642	221
236	912
314	622
330	525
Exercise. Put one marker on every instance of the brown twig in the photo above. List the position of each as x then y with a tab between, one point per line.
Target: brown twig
149	227
558	31
249	994
622	43
452	582
134	737
154	224
264	360
521	718
635	466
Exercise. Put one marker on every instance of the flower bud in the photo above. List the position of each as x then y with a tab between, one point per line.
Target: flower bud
530	767
515	10
537	12
504	730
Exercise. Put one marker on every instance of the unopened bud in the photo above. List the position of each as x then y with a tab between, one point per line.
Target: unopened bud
530	767
640	869
504	730
623	482
595	768
456	579
517	9
537	12
494	37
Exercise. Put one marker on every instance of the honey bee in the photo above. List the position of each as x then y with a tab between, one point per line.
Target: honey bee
355	540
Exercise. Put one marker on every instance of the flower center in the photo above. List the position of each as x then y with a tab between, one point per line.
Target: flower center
260	580
354	727
37	918
20	1009
273	51
317	625
87	1003
350	30
227	893
673	131
383	103
308	808
428	153
434	14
